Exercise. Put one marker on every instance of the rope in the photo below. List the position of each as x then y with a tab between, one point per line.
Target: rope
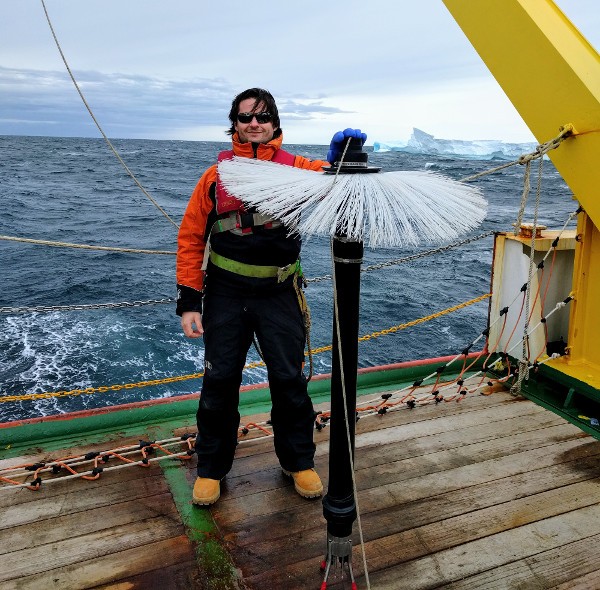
410	324
435	397
376	407
524	196
524	363
541	150
106	388
108	142
84	307
490	171
305	310
380	408
85	246
99	459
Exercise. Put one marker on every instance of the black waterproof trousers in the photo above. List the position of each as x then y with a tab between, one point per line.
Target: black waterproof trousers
229	325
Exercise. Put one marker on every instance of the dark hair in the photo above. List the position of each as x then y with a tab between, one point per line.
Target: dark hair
260	97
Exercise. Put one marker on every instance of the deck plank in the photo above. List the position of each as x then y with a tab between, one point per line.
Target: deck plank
441	532
49	489
418	512
181	576
145	562
122	530
79	548
52	530
474	427
426	479
559	569
492	493
415	455
78	496
456	563
586	554
454	485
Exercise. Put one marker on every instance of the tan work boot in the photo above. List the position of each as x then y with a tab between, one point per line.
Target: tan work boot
206	491
307	483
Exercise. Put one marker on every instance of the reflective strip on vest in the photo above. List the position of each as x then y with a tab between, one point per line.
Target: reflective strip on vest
233	224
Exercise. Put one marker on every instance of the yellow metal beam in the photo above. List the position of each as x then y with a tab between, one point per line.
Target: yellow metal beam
583	358
550	73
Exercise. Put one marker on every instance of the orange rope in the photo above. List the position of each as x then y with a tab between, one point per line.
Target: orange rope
251	425
98	458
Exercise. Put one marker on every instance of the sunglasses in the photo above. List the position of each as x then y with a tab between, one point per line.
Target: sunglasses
260	117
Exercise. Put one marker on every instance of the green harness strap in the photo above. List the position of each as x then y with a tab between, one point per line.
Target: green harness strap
253	270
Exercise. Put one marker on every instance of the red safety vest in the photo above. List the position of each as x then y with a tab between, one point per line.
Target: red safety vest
226	202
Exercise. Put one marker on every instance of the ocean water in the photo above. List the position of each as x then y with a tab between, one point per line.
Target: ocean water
74	190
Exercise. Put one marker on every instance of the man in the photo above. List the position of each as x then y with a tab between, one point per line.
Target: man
240	286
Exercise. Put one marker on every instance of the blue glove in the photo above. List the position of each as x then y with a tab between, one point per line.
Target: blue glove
338	143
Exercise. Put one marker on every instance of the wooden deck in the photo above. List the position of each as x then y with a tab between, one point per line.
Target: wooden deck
120	531
493	492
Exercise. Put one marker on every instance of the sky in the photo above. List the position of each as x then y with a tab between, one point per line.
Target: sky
169	70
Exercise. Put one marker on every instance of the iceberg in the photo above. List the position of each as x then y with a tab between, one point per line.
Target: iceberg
484	149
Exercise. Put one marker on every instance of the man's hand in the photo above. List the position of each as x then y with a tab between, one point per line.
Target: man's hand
191	322
338	143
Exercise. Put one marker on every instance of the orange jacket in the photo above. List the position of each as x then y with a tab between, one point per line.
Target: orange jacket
193	231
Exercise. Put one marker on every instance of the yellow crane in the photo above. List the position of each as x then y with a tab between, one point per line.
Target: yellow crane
551	74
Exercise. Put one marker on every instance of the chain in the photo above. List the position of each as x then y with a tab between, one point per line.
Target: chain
254	365
106	388
427	252
379	266
412	257
410	324
101	389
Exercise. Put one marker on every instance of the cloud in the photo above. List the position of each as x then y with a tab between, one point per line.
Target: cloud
126	105
297	111
171	70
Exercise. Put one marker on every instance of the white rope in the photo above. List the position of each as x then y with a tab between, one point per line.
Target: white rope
524	361
524	195
90	473
85	246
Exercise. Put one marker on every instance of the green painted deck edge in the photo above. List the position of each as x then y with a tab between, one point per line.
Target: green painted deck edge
566	396
217	569
157	422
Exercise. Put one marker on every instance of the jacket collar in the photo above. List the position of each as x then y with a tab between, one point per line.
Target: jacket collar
260	151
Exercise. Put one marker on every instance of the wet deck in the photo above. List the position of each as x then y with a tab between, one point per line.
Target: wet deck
493	492
120	531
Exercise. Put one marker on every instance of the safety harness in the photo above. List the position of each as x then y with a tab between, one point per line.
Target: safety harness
254	270
241	223
232	217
